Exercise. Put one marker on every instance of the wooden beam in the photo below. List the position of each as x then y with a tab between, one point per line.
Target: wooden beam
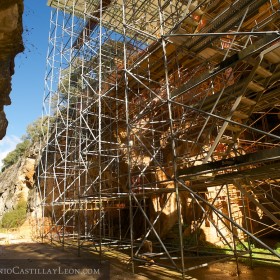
253	158
229	62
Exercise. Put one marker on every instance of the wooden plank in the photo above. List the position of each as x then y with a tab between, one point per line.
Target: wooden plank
247	101
261	71
255	87
240	115
229	62
233	128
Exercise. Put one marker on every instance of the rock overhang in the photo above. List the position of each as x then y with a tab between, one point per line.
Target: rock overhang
10	45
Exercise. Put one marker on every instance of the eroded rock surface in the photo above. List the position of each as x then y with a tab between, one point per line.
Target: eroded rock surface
10	45
17	183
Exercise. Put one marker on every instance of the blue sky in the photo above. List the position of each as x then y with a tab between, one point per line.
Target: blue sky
28	80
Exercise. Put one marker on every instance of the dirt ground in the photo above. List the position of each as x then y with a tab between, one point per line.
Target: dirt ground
23	258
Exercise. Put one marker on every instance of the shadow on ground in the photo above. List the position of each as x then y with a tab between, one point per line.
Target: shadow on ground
47	262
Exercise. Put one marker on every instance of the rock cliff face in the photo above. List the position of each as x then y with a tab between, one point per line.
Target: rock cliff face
10	45
17	182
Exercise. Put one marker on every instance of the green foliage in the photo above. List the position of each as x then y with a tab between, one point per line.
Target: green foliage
260	256
277	249
36	130
34	133
16	217
13	156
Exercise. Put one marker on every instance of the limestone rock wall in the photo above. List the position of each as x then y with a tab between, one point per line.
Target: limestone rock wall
17	182
10	45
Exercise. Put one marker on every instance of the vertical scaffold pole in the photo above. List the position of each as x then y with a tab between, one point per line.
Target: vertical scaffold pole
128	133
173	142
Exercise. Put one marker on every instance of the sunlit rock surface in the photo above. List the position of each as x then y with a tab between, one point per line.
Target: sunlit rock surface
10	45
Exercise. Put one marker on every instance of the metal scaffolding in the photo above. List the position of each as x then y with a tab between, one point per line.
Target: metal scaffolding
163	131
